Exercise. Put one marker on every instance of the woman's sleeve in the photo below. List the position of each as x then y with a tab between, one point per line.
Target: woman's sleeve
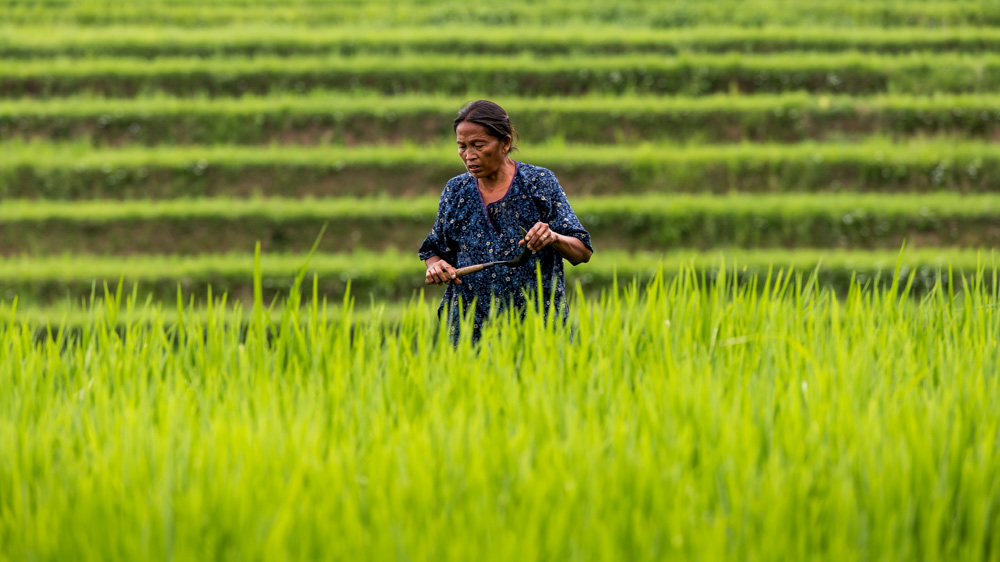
437	243
561	217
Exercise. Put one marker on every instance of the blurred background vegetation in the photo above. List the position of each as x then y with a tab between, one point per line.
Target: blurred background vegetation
157	141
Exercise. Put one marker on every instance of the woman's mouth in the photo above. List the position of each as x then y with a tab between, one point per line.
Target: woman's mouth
472	168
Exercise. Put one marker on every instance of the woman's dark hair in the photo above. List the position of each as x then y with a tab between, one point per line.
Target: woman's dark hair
491	116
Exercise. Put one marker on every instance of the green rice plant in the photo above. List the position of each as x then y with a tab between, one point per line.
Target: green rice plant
840	13
159	41
395	276
78	171
678	419
652	222
647	222
74	315
368	118
526	75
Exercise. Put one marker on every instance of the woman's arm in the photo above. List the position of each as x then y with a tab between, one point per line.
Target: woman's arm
572	249
437	244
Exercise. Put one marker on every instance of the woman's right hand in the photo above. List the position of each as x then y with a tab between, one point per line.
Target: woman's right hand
440	272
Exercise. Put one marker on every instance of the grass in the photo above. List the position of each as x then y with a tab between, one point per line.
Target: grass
333	103
930	207
690	73
158	41
367	118
394	276
840	13
82	156
79	171
771	420
650	223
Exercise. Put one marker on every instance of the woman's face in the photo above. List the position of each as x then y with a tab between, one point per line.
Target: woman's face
482	153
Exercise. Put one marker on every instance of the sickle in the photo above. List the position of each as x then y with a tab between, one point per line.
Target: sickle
516	262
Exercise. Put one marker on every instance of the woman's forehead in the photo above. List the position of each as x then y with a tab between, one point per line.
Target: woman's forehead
467	130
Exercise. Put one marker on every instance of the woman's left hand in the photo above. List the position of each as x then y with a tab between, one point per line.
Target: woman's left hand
539	237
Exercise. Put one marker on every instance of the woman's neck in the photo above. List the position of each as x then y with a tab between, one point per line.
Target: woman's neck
499	181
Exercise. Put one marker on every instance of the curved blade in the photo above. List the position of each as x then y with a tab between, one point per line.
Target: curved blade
525	254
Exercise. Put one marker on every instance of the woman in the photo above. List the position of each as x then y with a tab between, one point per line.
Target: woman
480	216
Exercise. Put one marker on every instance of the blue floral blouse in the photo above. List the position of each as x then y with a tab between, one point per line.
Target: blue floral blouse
467	232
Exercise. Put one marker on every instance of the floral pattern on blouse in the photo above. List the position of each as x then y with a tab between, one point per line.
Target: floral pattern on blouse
467	232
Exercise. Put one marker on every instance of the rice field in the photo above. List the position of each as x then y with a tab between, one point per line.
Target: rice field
175	129
765	420
784	348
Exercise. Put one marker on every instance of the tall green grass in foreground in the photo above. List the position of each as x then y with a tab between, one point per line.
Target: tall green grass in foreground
771	420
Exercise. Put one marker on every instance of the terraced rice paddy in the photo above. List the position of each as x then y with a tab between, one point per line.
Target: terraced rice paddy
845	412
808	133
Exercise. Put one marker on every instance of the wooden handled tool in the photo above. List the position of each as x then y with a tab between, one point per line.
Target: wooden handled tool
516	262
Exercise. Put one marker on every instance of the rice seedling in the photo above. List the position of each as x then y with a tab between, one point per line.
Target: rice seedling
322	117
157	40
79	171
52	282
763	419
521	74
656	223
838	13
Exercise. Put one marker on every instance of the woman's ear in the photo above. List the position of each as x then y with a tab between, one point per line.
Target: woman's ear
507	144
